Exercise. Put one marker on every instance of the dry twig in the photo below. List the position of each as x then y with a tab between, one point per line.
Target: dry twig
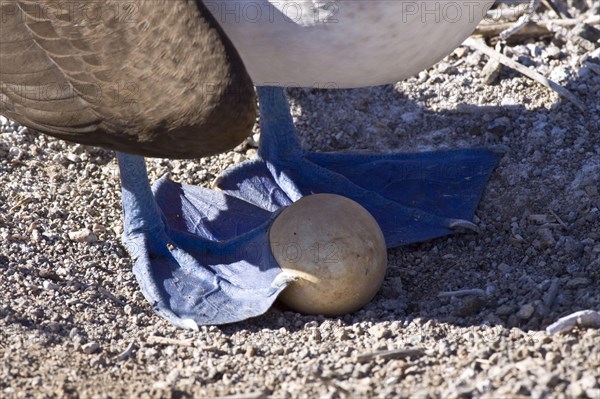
522	21
504	60
471	291
532	28
593	67
559	220
463	108
391	354
23	201
557	7
584	318
110	295
154	339
127	352
576	36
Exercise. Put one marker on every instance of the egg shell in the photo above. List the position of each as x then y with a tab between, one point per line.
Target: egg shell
336	250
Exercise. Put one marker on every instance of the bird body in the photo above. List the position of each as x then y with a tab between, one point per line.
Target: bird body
343	43
165	78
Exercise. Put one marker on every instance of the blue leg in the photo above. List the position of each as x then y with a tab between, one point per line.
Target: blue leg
414	197
200	257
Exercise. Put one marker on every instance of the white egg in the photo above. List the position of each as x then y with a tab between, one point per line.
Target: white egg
336	250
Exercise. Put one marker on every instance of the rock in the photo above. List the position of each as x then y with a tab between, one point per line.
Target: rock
505	310
278	351
490	71
587	32
90	347
83	235
458	392
578	282
73	158
97	228
526	311
37	381
553	358
49	285
572	246
586	175
575	390
491	289
507	101
411	117
500	125
551	52
588	381
504	268
591	190
250	351
97	361
237	157
173	376
392	304
550	296
593	393
379	331
469	306
538	219
534	49
559	74
549	380
341	335
546	238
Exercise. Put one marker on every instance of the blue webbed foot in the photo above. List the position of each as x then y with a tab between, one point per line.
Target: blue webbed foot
201	257
413	196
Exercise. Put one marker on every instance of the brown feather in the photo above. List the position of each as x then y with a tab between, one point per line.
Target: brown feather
150	77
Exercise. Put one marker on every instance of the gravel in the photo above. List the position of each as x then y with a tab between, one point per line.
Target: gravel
73	322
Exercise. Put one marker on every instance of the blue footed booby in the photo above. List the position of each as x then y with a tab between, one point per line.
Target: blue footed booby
185	72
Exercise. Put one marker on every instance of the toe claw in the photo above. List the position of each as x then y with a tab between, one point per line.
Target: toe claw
189	324
457	224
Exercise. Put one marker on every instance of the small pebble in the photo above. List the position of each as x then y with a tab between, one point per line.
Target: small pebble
83	235
90	347
97	361
578	282
379	331
49	285
250	351
526	311
546	238
504	268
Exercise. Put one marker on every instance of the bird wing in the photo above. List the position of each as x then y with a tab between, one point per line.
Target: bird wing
154	77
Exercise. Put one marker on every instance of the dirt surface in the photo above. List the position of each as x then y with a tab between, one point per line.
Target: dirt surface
73	322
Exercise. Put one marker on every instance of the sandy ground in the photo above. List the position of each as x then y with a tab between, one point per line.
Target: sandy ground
74	324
